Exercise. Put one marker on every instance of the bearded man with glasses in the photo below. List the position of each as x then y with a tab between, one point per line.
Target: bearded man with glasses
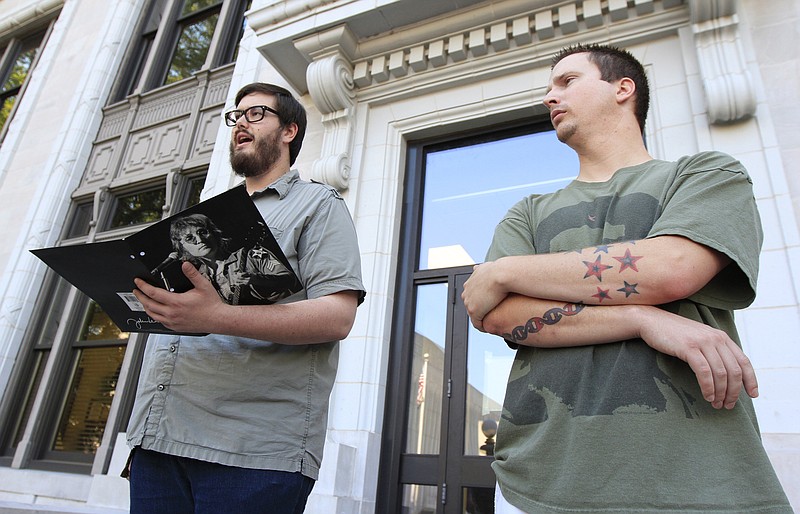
235	421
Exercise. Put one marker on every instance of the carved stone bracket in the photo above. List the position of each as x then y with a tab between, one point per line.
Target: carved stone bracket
330	84
728	85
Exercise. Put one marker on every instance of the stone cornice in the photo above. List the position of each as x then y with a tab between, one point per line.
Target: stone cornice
518	39
281	10
338	70
18	20
484	29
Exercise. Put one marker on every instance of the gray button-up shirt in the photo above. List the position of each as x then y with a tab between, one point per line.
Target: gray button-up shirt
250	403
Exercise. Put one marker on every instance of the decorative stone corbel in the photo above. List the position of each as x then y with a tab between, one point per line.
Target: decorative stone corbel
728	86
172	180
330	84
99	197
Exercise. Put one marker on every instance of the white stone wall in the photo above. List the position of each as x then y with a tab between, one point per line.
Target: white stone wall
41	160
47	144
44	155
771	36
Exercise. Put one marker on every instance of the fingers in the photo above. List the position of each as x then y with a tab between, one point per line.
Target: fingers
699	363
478	324
727	378
192	273
733	386
150	306
722	371
153	299
749	379
144	293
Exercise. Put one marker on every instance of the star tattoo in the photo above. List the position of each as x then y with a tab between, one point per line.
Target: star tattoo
628	261
601	248
595	269
629	289
602	294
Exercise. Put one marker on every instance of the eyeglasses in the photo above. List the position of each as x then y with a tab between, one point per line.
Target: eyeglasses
251	114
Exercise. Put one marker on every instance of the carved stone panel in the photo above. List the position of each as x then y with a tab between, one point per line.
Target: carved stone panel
99	167
136	158
169	144
207	126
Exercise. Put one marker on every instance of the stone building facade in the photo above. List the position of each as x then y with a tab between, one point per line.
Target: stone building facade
112	119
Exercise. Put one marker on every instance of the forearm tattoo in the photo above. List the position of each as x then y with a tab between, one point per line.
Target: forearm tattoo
536	324
597	267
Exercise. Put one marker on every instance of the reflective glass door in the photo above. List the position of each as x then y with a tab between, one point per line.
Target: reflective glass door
446	379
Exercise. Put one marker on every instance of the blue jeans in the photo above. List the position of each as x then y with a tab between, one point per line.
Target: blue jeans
165	484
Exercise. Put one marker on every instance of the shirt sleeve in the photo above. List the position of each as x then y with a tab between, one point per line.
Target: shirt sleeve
711	202
328	255
513	235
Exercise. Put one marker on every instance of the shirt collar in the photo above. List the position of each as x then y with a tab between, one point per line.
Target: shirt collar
280	186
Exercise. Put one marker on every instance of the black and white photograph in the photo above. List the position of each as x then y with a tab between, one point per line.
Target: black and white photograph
224	237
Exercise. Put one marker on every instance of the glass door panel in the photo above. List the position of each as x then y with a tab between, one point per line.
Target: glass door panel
478	500
468	190
425	394
420	499
489	362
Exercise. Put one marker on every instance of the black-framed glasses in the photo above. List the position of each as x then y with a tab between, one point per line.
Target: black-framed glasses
251	114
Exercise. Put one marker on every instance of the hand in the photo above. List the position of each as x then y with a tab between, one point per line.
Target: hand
482	293
721	367
192	311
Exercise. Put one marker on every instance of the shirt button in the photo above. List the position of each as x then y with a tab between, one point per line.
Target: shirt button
172	348
160	387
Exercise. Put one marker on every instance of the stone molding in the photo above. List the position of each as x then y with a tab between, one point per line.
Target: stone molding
730	94
523	30
147	135
342	70
330	83
30	13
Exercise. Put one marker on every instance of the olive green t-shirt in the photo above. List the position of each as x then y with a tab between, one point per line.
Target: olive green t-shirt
621	427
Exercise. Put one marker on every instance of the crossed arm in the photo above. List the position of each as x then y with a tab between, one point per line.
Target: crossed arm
607	294
318	320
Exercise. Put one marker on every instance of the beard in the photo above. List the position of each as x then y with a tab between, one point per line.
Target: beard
566	132
265	153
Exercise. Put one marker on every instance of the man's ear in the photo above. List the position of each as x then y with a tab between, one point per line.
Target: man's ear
290	132
626	89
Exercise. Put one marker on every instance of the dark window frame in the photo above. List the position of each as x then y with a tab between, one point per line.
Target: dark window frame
182	22
151	53
73	314
397	468
35	39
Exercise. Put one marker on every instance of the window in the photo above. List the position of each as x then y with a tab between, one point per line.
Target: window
196	25
177	39
17	60
77	394
447	380
30	370
95	363
72	387
137	208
